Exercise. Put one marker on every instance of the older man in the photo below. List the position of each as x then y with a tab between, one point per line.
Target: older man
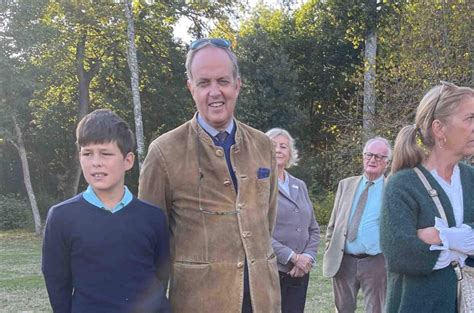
216	178
353	258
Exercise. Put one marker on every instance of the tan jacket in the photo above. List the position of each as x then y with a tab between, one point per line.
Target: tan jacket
208	250
337	227
338	223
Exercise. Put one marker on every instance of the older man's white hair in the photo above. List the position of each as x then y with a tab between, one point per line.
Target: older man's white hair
381	139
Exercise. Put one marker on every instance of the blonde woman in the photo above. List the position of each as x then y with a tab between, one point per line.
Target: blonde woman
296	233
418	245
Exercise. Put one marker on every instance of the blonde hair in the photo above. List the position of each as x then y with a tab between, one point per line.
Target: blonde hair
439	103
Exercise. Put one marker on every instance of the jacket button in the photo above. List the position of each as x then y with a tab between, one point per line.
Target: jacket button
246	234
227	183
240	264
298	229
219	153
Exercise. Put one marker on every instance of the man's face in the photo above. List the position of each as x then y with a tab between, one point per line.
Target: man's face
213	87
374	168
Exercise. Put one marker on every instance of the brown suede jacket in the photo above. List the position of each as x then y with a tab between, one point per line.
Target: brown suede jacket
209	246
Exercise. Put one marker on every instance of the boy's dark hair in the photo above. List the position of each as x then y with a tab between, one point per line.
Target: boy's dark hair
103	125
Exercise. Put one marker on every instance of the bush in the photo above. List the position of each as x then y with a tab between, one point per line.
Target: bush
323	205
15	212
45	202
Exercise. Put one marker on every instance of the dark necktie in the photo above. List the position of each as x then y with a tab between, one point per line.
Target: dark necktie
221	137
359	211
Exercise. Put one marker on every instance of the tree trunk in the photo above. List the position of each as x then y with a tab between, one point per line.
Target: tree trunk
369	81
133	66
20	146
71	182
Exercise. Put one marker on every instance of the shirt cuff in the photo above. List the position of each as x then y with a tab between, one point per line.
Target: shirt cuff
289	257
313	261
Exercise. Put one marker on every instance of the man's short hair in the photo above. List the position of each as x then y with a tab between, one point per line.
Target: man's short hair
381	139
232	56
103	126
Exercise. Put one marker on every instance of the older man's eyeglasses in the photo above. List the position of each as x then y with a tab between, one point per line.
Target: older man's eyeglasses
219	42
378	157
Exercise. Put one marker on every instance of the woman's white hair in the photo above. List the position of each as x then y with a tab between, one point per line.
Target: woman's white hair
274	132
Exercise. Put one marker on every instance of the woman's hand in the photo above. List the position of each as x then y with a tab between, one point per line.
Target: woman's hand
429	235
303	262
296	272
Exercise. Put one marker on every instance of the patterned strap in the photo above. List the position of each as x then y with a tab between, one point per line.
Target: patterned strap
433	193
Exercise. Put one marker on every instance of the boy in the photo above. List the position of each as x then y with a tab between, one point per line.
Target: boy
104	250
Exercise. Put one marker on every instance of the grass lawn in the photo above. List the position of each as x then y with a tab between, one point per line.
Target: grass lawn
22	287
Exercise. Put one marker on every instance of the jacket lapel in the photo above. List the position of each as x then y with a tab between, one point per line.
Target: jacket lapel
294	188
293	191
349	199
467	187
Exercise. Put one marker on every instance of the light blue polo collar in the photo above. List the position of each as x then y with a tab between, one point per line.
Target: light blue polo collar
91	197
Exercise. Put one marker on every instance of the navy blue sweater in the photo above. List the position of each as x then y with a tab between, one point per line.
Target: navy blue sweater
96	261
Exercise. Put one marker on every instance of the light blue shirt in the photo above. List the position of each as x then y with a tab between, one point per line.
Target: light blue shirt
90	196
211	130
367	240
285	185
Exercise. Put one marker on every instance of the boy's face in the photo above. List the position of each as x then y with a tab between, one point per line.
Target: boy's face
104	167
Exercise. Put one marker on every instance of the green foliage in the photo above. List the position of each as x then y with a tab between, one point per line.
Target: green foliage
269	96
14	212
301	69
45	202
323	205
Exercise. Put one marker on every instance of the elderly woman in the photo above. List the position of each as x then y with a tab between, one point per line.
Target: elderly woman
419	246
296	233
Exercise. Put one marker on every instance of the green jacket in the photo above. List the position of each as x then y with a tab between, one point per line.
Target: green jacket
413	285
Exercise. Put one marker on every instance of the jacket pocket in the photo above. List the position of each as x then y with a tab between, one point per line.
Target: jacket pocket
187	279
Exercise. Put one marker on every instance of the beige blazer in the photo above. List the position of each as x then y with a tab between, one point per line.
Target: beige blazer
208	250
337	228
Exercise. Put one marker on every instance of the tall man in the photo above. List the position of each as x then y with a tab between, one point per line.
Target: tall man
353	257
217	179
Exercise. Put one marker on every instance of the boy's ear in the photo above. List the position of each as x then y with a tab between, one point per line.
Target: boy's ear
129	160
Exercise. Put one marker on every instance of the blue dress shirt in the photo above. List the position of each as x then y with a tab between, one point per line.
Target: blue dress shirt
211	130
367	240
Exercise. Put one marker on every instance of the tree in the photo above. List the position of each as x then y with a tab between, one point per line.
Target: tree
15	93
133	65
370	53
